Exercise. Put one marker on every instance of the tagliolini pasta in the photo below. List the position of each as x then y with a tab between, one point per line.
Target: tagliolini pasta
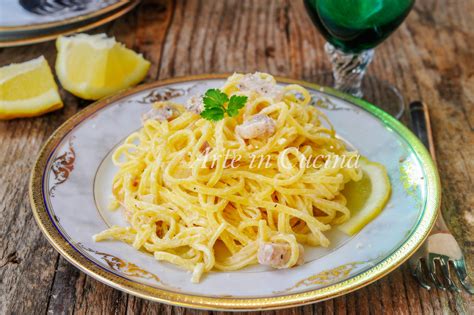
191	203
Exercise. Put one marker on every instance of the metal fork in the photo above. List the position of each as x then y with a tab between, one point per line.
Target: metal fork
47	7
440	247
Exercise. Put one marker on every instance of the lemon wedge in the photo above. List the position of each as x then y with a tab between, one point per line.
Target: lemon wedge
28	89
95	66
367	197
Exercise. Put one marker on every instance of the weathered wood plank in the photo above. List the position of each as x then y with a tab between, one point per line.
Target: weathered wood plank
62	296
93	297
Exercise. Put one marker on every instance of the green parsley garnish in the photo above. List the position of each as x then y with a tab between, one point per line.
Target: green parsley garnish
214	101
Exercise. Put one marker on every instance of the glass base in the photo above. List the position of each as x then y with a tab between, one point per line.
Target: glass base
378	92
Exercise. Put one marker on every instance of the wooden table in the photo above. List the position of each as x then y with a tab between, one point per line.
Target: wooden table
430	57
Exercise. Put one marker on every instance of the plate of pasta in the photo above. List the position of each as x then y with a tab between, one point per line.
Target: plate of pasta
234	192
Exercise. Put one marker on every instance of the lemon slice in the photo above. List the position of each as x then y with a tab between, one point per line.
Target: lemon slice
28	89
95	66
367	197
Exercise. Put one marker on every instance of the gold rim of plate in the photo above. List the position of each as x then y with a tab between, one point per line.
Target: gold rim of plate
419	234
82	28
72	20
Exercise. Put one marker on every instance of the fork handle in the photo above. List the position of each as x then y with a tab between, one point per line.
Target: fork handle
421	125
440	225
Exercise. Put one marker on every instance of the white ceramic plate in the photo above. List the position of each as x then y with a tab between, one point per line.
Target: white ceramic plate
22	15
71	187
33	35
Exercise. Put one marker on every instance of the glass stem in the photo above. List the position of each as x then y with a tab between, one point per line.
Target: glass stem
348	69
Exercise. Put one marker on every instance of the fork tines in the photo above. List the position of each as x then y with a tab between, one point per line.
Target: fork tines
434	261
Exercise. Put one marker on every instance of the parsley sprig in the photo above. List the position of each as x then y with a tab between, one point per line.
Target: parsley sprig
214	101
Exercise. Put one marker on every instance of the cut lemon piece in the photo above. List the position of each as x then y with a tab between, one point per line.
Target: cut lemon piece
95	66
28	89
367	197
